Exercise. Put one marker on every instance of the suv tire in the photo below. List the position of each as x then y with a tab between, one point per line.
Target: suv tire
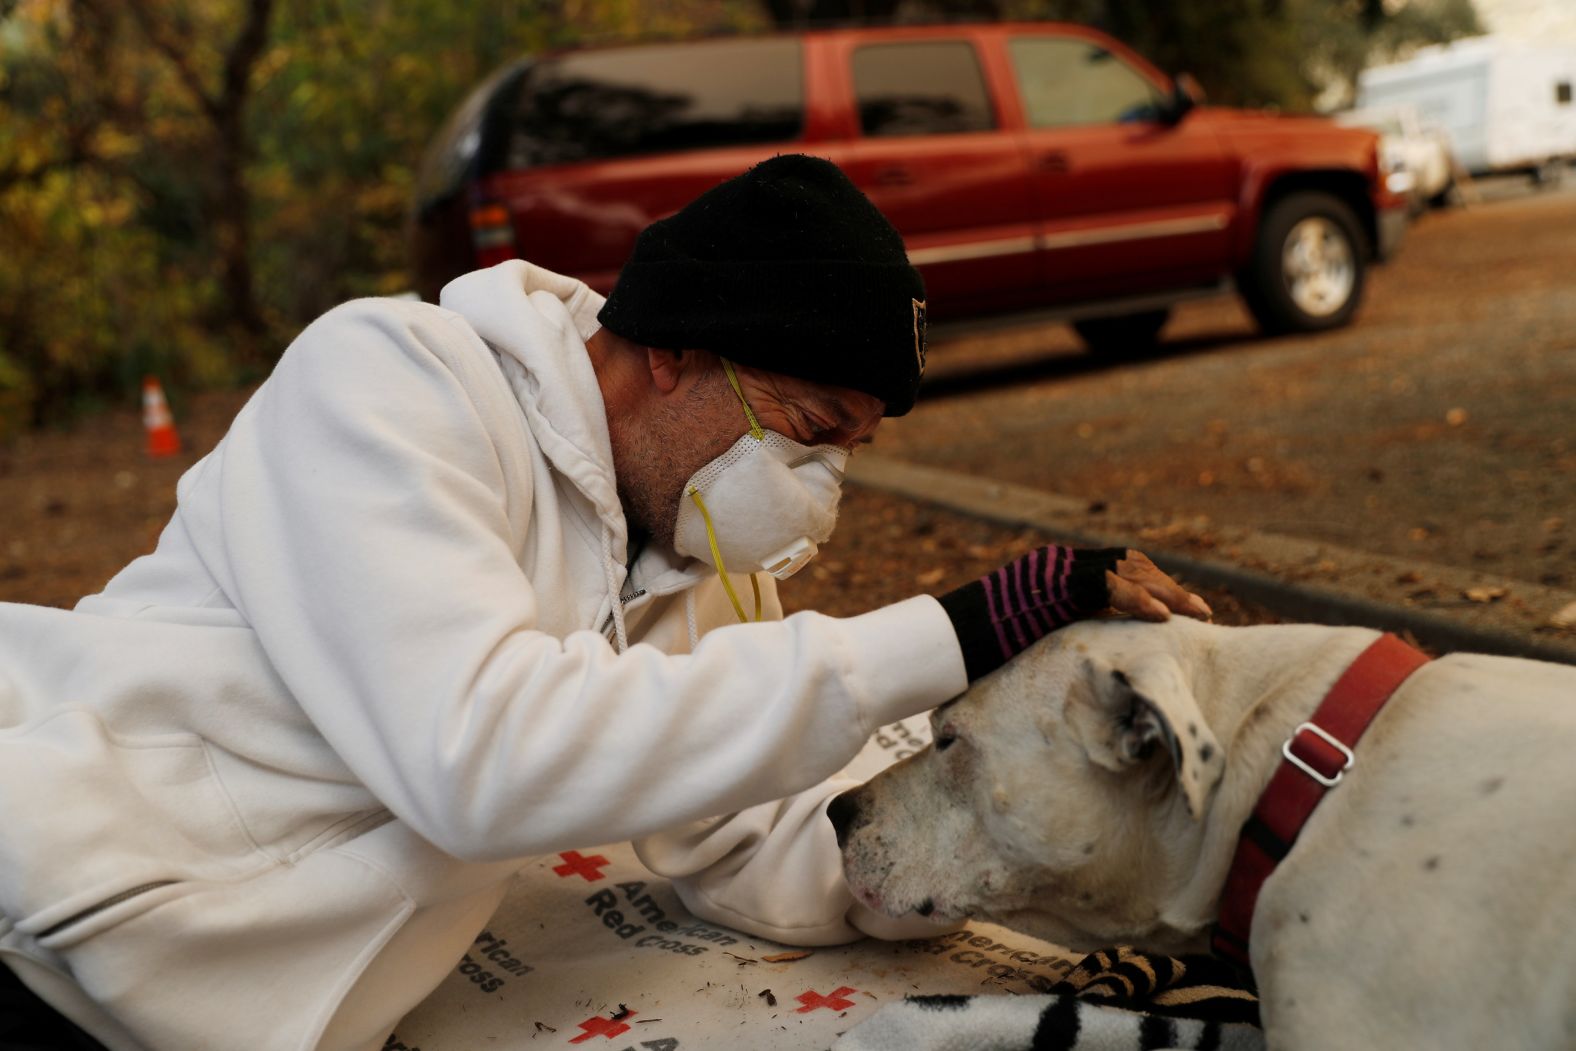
1308	265
1125	336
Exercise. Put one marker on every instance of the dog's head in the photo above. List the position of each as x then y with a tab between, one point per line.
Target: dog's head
1062	795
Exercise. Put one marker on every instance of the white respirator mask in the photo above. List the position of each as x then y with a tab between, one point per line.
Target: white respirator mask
768	503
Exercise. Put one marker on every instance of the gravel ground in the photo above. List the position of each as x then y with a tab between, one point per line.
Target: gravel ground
887	549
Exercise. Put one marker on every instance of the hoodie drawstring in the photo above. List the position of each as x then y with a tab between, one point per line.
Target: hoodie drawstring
610	571
689	617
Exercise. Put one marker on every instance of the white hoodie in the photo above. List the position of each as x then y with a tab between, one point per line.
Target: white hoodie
265	788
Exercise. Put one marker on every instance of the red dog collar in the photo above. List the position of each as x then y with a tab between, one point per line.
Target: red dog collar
1316	757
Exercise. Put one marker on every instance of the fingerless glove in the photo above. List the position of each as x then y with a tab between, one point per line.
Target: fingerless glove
1003	613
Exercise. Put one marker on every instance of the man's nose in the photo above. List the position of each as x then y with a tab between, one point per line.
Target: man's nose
842	811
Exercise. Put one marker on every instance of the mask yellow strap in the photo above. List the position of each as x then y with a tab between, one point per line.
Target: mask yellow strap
756	430
722	570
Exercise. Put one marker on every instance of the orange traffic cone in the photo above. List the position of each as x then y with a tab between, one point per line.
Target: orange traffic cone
157	421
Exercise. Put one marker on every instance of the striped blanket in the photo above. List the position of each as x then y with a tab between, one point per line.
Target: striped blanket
1116	1000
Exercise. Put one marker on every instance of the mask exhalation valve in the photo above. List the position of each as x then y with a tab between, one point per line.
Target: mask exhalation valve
786	562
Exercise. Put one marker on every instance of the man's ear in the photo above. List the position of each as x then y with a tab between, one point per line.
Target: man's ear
1145	704
667	368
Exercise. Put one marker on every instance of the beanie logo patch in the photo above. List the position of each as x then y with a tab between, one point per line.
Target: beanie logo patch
919	334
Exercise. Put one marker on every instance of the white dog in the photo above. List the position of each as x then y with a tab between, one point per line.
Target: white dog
1092	793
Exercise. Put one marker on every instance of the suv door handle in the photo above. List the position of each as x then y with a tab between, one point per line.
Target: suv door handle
894	176
1055	162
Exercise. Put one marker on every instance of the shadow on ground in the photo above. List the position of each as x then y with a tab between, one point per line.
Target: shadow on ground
1057	362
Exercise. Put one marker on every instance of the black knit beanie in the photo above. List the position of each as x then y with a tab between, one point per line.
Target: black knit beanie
787	268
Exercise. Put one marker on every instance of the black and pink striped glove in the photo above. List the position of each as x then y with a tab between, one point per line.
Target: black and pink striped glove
1004	612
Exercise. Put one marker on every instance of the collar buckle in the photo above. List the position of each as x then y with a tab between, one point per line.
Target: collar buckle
1328	779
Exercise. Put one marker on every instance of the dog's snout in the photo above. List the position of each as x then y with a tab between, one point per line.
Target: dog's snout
842	811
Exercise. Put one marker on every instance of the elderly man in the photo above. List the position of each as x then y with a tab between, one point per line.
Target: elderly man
463	584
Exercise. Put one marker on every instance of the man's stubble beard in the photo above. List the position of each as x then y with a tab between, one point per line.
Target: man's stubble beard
654	461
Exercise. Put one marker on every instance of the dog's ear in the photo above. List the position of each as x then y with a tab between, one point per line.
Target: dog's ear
1145	704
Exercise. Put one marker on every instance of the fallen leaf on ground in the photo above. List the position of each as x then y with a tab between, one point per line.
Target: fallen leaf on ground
1491	593
786	957
1565	618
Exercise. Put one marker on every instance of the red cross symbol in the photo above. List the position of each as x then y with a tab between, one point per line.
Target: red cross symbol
590	868
834	1000
600	1026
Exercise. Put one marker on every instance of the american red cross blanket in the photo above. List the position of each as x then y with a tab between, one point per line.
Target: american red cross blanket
590	950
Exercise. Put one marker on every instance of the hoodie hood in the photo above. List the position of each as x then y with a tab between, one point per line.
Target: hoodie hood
538	322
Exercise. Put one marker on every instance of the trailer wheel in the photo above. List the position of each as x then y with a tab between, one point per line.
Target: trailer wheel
1308	265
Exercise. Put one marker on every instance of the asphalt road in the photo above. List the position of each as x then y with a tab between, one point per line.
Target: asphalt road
1439	427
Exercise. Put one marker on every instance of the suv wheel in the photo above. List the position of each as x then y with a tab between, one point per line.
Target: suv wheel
1308	266
1130	335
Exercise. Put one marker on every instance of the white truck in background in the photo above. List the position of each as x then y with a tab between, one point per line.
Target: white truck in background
1417	154
1507	104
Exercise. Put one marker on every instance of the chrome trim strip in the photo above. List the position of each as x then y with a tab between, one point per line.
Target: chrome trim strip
956	253
1132	232
972	250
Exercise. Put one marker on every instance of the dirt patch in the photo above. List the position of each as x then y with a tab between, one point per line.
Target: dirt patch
79	504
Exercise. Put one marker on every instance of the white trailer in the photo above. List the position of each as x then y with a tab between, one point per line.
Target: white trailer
1506	103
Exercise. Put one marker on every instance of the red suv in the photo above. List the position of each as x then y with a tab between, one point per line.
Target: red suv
1030	168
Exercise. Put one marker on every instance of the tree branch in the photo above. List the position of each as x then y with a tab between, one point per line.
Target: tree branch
244	53
175	51
14	175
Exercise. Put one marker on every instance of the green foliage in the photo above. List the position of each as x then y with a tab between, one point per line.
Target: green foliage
115	214
1263	52
1340	38
102	277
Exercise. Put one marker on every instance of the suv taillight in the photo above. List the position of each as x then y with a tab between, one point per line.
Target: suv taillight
492	234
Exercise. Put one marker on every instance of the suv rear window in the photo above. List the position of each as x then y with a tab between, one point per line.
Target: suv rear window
598	104
463	140
923	88
1065	81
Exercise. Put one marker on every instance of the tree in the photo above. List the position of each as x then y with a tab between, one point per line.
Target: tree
221	96
1362	33
124	199
1244	52
183	183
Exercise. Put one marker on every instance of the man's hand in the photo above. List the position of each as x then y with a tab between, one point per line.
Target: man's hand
1139	587
1002	613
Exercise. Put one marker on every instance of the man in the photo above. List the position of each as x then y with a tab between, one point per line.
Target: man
265	788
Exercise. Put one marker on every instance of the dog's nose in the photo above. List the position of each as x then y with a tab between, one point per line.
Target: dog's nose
842	811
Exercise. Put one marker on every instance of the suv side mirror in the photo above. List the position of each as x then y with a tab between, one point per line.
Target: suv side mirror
1185	95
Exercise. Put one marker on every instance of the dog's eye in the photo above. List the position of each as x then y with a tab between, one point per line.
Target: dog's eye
945	738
